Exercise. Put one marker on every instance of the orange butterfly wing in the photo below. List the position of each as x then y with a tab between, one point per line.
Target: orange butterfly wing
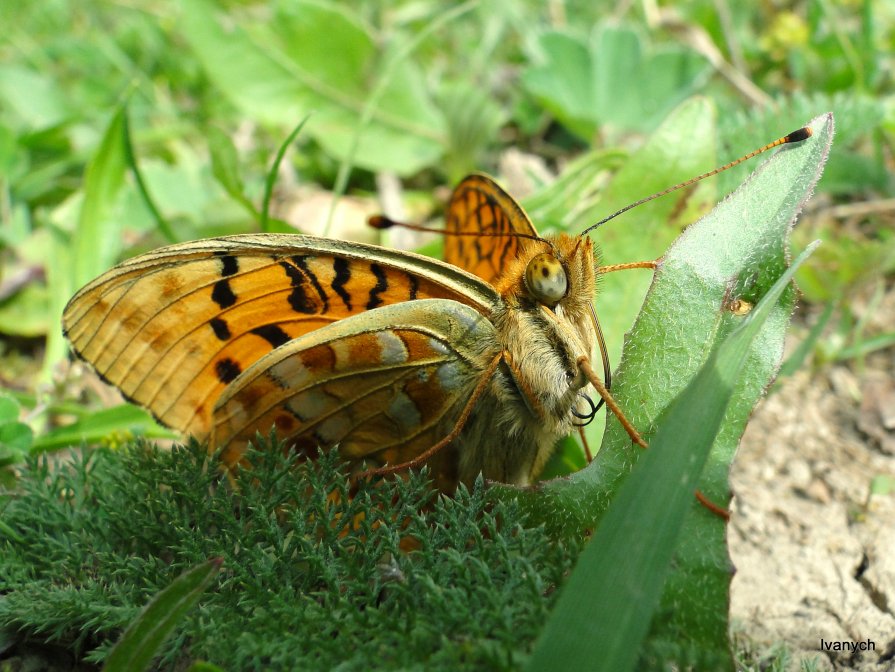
384	385
174	327
480	206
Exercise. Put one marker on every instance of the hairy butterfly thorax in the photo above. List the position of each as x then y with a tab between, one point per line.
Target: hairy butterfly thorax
543	325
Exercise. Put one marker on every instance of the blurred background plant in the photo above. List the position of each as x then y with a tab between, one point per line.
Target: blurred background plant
125	126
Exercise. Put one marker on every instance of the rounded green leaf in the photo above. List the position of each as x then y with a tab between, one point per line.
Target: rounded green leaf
278	71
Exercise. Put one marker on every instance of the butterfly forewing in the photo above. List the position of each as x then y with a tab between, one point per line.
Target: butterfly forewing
174	327
479	206
385	385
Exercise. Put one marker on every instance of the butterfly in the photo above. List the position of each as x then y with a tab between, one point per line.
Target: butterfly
474	365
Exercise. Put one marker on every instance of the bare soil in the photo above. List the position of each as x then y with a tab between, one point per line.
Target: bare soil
813	547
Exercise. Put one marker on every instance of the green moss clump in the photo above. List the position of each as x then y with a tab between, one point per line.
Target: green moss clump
94	540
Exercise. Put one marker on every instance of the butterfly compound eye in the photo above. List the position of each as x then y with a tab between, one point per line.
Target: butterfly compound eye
545	279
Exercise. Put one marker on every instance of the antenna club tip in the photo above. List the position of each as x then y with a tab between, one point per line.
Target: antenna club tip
797	136
380	222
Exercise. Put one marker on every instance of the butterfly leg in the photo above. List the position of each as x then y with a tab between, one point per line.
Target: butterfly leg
420	459
625	267
531	400
719	511
528	395
635	435
587	452
584	363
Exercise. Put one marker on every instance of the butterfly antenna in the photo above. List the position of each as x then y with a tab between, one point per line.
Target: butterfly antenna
382	222
796	136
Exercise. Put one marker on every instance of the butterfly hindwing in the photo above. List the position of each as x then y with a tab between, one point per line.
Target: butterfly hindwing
384	386
480	206
172	328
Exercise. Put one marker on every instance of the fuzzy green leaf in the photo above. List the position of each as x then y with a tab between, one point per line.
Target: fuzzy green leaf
144	637
683	146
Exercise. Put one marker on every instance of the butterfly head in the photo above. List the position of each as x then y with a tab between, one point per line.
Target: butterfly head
558	272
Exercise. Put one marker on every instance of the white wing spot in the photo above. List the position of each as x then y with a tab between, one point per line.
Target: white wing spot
342	351
470	321
404	412
311	404
332	429
450	376
291	371
392	350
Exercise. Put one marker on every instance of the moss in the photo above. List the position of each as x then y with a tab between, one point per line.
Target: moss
300	588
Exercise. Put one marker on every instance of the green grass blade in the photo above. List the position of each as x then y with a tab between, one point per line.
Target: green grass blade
271	179
131	158
795	361
116	424
225	168
143	638
866	347
97	241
